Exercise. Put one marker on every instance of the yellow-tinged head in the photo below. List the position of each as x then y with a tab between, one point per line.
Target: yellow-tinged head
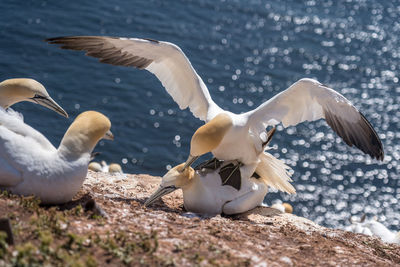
94	166
288	207
172	180
22	89
114	168
178	177
210	135
84	133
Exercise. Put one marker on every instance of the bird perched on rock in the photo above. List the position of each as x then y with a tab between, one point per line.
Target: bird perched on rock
21	89
104	167
216	186
115	168
32	166
372	227
283	207
204	191
381	231
95	166
243	135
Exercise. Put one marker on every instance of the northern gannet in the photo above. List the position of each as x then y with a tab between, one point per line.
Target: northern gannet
216	186
243	138
283	207
104	167
205	193
381	231
372	227
32	166
22	89
95	166
115	168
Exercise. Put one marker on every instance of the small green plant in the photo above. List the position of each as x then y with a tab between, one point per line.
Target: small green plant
3	244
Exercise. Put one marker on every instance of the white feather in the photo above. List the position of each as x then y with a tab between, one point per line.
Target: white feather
30	165
305	100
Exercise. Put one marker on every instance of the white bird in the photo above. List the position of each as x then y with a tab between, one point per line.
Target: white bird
95	166
283	207
205	193
115	168
243	134
104	167
30	165
22	89
372	227
381	231
222	186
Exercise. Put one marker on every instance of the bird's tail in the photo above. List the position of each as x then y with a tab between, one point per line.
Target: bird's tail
275	173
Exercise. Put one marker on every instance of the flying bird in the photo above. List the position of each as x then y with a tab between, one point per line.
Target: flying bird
243	134
22	89
30	165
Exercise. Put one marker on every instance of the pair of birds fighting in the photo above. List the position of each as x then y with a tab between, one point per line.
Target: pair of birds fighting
237	179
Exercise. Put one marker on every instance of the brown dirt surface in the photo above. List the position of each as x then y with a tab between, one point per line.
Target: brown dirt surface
116	229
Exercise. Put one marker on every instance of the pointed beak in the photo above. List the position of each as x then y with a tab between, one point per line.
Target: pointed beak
161	191
269	136
108	136
189	162
94	155
48	102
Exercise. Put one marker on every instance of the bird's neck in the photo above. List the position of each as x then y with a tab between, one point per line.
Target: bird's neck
9	95
75	146
6	101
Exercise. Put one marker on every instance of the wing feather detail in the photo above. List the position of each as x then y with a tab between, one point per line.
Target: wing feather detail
163	59
309	100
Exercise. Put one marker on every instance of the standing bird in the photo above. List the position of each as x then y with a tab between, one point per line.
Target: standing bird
21	89
243	134
30	165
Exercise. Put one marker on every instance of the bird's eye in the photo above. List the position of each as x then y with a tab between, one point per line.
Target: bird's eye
39	96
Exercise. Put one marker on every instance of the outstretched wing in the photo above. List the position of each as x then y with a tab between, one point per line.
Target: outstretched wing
309	100
163	59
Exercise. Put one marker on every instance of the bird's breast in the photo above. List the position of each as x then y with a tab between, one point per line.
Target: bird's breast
207	195
237	145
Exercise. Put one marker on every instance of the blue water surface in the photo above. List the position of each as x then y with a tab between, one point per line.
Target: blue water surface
246	52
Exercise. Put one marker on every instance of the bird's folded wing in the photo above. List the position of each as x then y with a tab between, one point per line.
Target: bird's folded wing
163	59
14	123
309	100
9	173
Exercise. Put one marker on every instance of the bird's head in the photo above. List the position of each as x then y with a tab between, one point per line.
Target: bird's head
84	133
288	207
171	181
115	168
17	90
208	137
94	166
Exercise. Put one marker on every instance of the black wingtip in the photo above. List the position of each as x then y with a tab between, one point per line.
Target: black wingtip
54	39
376	141
361	134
